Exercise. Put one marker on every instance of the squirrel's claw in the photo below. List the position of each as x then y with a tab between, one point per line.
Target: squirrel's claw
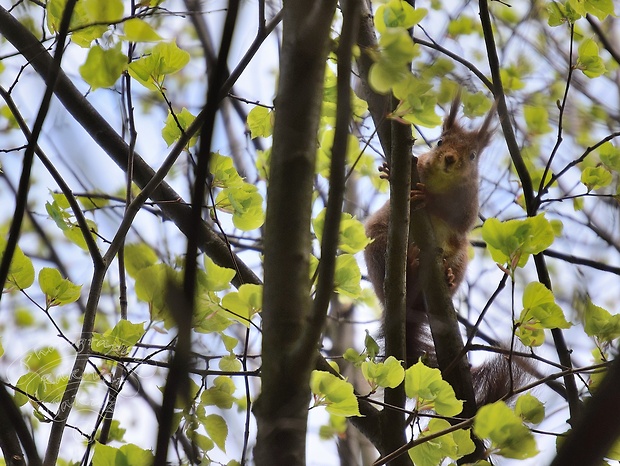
385	171
450	278
418	196
413	256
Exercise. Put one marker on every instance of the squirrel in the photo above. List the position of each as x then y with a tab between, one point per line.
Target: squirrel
448	191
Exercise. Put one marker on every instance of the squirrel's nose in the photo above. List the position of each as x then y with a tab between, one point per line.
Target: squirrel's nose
450	160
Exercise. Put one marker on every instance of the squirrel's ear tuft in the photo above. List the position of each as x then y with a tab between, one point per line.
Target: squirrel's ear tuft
487	129
450	121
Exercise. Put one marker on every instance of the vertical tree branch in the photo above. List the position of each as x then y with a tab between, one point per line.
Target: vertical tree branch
282	407
528	194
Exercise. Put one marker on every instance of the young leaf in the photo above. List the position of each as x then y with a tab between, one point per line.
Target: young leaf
220	394
103	67
139	256
217	429
397	14
43	360
388	374
334	393
539	312
118	340
244	203
453	445
589	61
530	409
347	276
137	30
165	58
58	291
513	241
509	437
596	177
224	172
230	363
174	127
601	324
536	119
244	303
217	278
426	386
21	271
352	238
260	121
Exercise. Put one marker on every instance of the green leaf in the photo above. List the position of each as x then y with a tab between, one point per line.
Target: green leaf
118	340
334	393
397	49
397	14
354	357
600	8
347	276
104	12
28	383
139	256
58	291
463	25
245	204
165	58
174	128
539	312
224	173
220	394
537	119
601	324
530	409
217	278
217	429
372	348
453	445
588	60
560	14
21	270
260	121
137	30
102	68
513	241
509	437
426	386
43	360
151	285
610	156
596	177
136	455
244	303
127	455
352	237
230	363
388	374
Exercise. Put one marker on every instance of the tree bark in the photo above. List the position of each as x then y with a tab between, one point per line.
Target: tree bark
282	407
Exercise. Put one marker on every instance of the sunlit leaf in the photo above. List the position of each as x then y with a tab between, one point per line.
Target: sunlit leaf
58	291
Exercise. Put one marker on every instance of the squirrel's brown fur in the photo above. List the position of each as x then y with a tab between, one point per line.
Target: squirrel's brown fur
449	193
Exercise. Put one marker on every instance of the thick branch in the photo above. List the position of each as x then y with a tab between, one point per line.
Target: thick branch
282	408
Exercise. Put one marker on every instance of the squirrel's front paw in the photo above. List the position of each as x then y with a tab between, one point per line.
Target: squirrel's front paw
385	171
450	278
413	256
418	196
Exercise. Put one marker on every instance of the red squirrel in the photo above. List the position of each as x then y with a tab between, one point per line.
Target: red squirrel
448	191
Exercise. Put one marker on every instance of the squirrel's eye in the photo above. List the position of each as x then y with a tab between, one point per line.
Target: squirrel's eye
439	142
472	156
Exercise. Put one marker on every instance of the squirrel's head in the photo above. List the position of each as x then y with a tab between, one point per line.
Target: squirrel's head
455	157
